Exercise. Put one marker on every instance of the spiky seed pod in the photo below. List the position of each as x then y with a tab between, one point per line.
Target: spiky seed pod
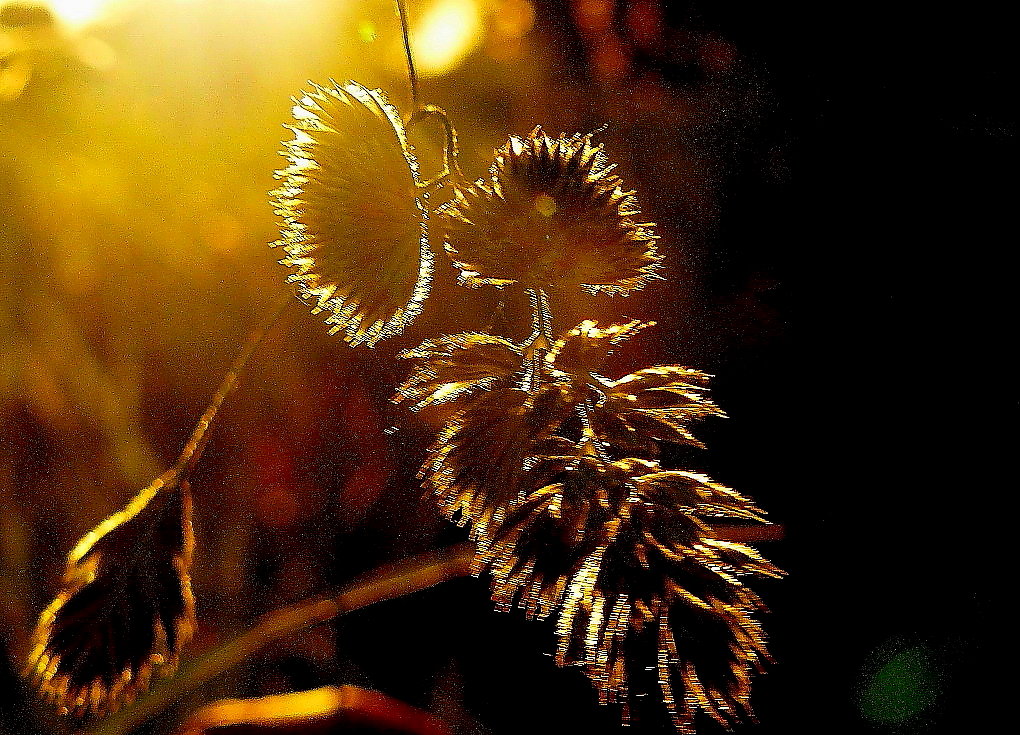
458	365
629	415
354	229
659	403
626	554
477	462
552	213
583	350
660	577
125	608
540	541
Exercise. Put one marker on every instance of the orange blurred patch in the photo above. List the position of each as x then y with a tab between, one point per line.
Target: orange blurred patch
325	710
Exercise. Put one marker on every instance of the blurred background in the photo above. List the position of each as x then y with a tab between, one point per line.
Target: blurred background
831	184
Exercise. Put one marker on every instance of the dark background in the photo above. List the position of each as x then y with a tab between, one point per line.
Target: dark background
831	184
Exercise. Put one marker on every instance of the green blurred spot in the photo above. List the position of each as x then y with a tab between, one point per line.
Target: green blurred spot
904	686
366	31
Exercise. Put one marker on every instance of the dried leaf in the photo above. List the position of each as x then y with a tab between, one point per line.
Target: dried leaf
125	607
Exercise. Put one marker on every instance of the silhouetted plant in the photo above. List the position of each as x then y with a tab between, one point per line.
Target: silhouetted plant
554	467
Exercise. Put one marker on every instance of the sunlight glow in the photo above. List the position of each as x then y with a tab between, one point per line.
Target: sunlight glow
77	13
446	33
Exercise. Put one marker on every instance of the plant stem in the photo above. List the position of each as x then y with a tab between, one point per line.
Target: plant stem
412	75
192	451
539	341
385	583
451	166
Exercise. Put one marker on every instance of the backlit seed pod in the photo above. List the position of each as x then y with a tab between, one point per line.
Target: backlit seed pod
660	593
583	350
354	228
551	214
125	607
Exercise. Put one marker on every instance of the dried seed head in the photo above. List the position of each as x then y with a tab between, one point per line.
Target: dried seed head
476	464
584	349
456	366
624	553
552	214
655	404
125	608
353	227
660	592
541	540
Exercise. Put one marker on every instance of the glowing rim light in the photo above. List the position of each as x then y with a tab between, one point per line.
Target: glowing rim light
447	32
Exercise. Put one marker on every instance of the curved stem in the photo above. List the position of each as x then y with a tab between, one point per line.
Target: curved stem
412	75
451	164
541	318
192	451
403	578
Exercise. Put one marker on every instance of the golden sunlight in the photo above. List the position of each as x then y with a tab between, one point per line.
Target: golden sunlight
77	13
446	33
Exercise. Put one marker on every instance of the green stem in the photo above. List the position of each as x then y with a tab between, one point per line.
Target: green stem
385	583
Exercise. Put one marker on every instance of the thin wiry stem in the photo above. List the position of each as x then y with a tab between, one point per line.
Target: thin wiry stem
192	451
412	75
403	578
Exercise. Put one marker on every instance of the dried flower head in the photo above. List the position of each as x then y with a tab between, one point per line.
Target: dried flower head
626	554
354	229
552	214
456	366
583	350
629	416
660	592
541	540
655	404
125	608
477	462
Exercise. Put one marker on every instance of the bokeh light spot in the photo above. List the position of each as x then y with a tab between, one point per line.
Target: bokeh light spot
78	13
367	31
903	686
446	33
545	205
